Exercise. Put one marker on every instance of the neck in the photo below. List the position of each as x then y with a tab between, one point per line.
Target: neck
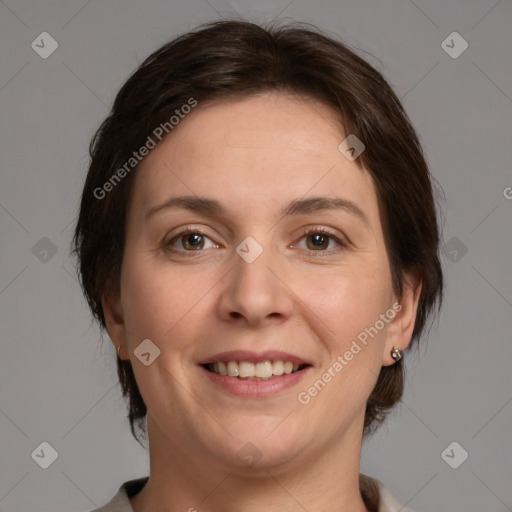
180	479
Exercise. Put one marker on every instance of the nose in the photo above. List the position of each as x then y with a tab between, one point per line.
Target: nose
255	293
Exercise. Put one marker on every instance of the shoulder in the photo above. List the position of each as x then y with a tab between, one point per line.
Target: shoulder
121	501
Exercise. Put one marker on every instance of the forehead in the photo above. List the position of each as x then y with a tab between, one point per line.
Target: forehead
254	154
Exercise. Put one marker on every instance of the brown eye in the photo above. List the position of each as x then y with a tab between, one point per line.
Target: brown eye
317	241
192	241
321	241
189	241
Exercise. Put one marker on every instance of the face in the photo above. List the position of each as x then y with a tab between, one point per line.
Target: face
254	246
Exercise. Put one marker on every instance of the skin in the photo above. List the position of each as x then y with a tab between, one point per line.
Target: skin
255	156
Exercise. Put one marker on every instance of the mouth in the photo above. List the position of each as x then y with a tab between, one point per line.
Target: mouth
260	371
248	374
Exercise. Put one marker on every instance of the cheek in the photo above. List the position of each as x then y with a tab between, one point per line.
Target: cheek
347	300
160	303
350	304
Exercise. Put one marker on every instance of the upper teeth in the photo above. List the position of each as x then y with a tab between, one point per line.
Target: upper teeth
244	369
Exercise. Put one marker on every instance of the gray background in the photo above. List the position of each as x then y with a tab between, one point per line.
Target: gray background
58	382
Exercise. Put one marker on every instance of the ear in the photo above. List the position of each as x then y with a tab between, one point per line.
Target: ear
400	329
114	319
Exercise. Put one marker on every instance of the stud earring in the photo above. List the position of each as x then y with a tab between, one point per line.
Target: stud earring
396	354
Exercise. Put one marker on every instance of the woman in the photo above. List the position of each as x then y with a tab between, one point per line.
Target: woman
258	237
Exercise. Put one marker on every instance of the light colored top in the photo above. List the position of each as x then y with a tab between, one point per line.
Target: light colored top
121	501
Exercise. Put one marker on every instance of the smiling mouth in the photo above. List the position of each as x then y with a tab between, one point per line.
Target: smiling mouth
244	370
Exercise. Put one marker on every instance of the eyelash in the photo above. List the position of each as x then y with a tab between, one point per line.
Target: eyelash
318	230
310	231
181	234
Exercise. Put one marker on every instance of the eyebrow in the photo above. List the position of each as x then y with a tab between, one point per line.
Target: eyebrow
212	207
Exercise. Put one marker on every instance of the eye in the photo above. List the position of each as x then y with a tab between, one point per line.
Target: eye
319	240
190	240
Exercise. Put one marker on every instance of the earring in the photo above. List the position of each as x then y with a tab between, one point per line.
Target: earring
118	349
396	354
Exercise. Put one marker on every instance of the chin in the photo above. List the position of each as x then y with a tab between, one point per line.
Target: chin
267	445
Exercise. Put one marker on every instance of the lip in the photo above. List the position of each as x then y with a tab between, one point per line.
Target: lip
254	357
246	388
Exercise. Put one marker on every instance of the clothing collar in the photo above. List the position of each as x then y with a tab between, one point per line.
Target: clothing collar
373	488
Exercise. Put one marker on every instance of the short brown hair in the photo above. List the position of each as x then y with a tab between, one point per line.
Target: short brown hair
233	59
